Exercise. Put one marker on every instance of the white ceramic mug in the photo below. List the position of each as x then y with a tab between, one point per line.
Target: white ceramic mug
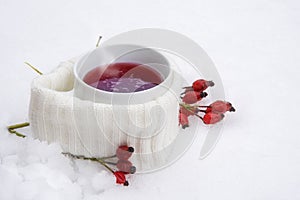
146	120
94	122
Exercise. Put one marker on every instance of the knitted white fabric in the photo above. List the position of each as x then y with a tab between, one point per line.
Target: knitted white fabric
95	129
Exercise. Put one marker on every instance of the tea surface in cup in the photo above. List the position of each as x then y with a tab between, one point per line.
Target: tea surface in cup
123	77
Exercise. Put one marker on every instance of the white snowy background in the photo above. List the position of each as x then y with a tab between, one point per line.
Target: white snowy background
255	45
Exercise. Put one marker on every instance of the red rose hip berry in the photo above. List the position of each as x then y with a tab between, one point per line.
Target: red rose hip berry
201	85
212	118
183	120
192	97
124	152
126	166
220	107
120	178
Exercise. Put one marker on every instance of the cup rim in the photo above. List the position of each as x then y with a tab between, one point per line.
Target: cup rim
166	83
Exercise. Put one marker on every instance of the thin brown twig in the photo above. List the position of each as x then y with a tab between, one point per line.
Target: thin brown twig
34	68
108	157
99	160
12	128
187	107
97	44
110	163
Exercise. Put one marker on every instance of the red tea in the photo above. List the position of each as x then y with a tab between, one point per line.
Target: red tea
123	77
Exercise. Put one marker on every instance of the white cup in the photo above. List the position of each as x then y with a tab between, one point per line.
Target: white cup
146	120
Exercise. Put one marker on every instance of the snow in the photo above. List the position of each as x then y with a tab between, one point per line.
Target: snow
255	46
